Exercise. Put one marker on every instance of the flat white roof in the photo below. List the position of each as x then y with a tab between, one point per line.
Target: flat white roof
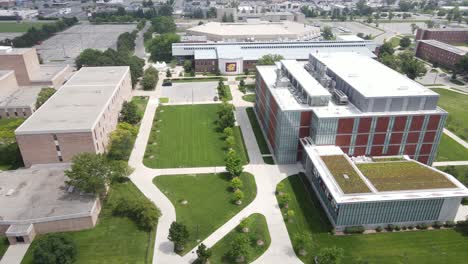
310	85
349	38
370	77
78	104
315	152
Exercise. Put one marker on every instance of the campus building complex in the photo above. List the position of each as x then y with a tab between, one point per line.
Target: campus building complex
348	100
236	57
374	192
446	35
439	53
29	72
77	118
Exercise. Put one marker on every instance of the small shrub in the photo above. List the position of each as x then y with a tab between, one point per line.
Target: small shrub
379	229
410	227
404	227
354	230
462	224
391	227
449	224
422	226
438	224
144	213
54	248
397	228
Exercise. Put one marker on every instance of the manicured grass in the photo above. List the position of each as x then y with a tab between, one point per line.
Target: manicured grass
210	201
450	150
262	144
258	229
455	103
12	27
3	245
193	79
457	82
114	239
249	98
403	175
432	246
141	102
269	160
164	100
338	166
188	136
395	41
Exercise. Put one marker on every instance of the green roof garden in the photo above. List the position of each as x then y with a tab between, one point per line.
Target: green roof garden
404	175
345	174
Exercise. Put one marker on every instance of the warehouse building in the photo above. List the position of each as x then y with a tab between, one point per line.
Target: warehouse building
373	192
255	31
78	118
29	72
236	57
37	201
348	100
439	53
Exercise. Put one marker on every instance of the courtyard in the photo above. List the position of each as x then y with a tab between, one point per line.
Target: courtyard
188	136
188	92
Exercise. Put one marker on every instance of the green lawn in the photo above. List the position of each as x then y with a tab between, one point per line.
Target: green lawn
249	97
210	201
262	144
188	136
114	239
432	246
455	103
258	229
3	245
450	150
163	100
12	27
141	102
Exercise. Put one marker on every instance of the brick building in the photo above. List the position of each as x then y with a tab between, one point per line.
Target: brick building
446	35
77	118
29	72
348	100
438	52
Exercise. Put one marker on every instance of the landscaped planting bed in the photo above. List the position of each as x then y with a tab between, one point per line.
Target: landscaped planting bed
209	201
431	246
339	166
405	175
188	136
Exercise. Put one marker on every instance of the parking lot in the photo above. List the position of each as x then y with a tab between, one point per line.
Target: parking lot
65	46
190	92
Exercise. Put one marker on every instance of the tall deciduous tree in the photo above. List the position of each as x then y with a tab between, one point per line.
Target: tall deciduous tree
179	235
327	33
203	254
160	47
234	163
129	113
54	248
269	59
44	95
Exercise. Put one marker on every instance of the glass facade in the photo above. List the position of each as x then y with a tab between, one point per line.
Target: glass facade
287	136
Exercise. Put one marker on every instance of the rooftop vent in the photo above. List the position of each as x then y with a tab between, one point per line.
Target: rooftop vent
401	88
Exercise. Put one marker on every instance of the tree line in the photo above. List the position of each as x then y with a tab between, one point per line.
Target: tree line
123	16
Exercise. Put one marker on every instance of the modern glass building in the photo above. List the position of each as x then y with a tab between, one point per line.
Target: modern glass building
379	191
349	100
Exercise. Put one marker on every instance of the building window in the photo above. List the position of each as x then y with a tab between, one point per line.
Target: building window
16	113
60	158
57	147
54	136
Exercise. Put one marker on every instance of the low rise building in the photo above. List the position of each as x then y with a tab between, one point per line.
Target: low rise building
78	118
439	53
37	201
29	72
16	101
25	14
236	57
373	192
348	100
446	35
256	31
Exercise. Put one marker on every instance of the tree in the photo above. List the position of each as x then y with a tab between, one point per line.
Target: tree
390	15
228	132
226	116
230	142
327	33
240	248
236	183
405	6
233	163
290	214
238	196
331	255
203	254
211	13
284	200
414	27
44	95
269	59
390	61
165	10
178	234
386	48
129	113
54	248
405	42
462	65
168	73
188	66
302	242
411	66
121	142
430	24
160	47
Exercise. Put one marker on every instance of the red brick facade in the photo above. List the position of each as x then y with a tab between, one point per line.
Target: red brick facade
443	35
437	55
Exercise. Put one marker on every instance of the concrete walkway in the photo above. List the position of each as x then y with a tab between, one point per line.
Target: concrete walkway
266	177
456	138
450	163
14	254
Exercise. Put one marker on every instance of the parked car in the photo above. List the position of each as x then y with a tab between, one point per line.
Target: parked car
167	83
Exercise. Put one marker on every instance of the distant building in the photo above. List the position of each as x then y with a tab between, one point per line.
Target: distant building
25	14
446	35
438	52
373	192
78	118
7	3
25	63
255	31
235	57
37	201
347	100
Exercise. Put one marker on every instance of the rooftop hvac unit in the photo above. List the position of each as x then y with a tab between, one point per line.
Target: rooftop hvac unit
340	97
